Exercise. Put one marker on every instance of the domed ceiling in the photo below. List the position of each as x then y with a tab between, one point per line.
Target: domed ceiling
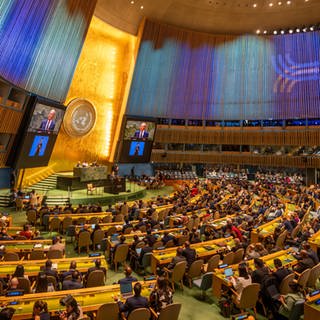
226	16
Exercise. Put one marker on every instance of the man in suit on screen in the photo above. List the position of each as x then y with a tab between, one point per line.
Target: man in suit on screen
48	124
142	133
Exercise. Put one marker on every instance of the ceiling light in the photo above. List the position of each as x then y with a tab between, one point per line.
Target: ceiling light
304	29
254	5
132	1
282	31
270	4
311	28
275	32
265	32
141	7
297	30
279	3
258	31
288	2
290	31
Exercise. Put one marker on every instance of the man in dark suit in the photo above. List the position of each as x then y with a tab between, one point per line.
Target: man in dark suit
74	283
48	124
72	268
49	271
142	133
128	278
261	271
178	258
135	302
96	267
189	253
281	271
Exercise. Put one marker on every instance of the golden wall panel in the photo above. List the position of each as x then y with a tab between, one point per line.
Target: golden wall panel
101	77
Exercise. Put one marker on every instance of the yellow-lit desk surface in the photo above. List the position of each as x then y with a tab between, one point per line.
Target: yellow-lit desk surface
163	257
24	246
33	267
219	223
14	231
311	309
176	232
76	216
315	241
264	230
199	213
90	299
286	257
105	226
143	212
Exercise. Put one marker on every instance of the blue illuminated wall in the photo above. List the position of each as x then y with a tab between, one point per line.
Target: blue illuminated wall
185	74
40	42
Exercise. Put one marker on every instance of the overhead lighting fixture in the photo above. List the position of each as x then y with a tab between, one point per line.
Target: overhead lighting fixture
298	30
265	31
254	5
132	1
270	4
288	2
275	32
311	28
258	31
282	31
290	31
141	7
279	3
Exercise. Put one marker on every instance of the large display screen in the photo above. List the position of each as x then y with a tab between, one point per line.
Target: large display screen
137	141
38	135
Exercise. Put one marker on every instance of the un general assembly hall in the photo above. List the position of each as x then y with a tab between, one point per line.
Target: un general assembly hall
159	160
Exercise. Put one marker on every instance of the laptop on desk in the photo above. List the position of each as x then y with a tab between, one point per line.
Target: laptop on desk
126	290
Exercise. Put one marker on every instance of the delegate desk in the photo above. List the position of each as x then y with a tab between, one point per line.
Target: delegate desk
219	278
25	246
204	250
219	223
176	232
265	230
105	226
312	308
90	299
32	268
76	216
314	241
174	220
14	231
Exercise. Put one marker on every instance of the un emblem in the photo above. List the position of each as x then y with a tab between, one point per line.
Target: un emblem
80	118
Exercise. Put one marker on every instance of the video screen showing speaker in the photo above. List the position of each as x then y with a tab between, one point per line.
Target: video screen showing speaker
137	141
38	133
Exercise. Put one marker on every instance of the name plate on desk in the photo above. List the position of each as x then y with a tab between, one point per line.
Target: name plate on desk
91	173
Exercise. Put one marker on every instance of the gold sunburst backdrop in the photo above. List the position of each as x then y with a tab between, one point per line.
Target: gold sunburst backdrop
80	118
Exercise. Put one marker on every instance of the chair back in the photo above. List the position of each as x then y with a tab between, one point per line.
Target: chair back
249	296
119	218
157	245
107	219
295	231
314	276
120	254
139	314
146	260
284	285
169	244
96	278
84	239
213	263
81	221
55	224
179	271
32	216
281	239
36	255
53	281
54	254
195	269
97	237
170	312
66	222
94	220
297	310
206	281
24	284
238	255
228	258
108	311
303	278
111	231
11	256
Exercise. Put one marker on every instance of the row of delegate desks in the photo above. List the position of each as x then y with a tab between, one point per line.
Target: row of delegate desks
204	250
25	246
105	226
265	230
314	241
76	216
33	267
219	278
90	299
312	308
